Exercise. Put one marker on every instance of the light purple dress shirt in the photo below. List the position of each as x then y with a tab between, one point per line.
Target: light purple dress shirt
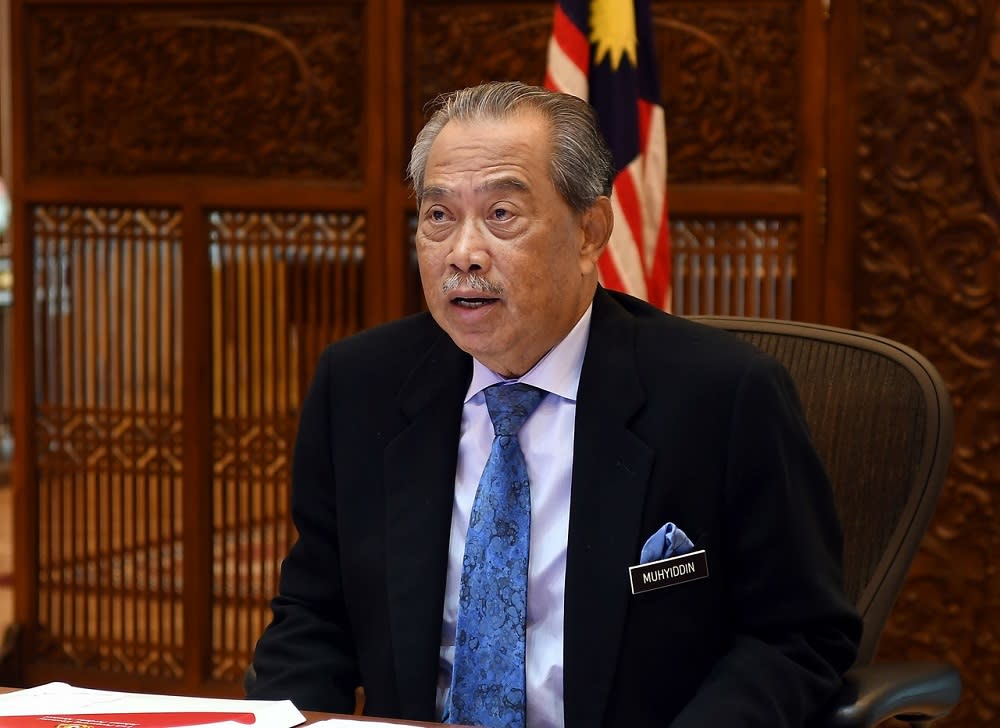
547	442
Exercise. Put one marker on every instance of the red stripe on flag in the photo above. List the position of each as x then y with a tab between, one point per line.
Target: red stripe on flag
658	283
571	39
628	198
645	113
610	277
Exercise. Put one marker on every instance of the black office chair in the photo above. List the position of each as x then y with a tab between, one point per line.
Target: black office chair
882	421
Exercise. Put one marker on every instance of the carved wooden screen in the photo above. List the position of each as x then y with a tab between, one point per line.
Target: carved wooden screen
108	430
197	187
283	286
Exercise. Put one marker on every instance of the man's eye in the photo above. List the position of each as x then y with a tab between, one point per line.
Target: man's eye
437	215
500	214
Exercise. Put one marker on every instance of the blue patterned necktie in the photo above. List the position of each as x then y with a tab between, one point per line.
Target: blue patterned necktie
487	679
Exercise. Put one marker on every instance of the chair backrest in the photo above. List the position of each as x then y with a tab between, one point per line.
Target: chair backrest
882	421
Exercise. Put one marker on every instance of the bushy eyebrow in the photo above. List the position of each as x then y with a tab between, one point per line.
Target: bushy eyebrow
435	193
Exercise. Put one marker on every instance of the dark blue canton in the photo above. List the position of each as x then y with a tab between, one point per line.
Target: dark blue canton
487	680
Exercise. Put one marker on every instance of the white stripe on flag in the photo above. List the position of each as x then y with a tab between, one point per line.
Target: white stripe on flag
565	74
652	185
625	254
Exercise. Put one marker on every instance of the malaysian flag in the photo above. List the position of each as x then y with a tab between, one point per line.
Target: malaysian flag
602	51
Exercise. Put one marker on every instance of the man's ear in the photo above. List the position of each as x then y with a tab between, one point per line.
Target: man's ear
597	221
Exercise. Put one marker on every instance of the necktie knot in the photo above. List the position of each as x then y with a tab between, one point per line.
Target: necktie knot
510	405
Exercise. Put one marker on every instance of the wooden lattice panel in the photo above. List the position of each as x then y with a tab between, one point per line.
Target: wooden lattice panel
741	267
284	285
109	466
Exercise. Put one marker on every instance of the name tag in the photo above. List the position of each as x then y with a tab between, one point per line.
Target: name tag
669	572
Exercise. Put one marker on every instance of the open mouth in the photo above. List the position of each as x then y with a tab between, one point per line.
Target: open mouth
463	302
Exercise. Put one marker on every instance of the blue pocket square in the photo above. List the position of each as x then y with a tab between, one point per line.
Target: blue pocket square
666	542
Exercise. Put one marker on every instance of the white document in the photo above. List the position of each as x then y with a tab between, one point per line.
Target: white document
54	701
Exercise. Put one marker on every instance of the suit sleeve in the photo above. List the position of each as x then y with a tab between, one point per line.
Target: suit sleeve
795	632
306	654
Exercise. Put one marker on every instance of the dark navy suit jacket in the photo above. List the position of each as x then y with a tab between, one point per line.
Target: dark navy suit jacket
675	422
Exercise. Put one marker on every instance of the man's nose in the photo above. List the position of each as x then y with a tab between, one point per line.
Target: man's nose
469	251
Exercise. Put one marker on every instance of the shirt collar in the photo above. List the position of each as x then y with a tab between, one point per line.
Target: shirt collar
557	372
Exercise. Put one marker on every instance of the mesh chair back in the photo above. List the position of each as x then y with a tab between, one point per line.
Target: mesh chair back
882	421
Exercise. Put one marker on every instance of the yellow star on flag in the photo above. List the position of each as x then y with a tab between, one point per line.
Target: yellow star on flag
612	28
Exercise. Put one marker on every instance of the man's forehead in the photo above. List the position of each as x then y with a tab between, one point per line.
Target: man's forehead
519	135
486	157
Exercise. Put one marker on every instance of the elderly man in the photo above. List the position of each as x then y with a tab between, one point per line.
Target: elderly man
472	486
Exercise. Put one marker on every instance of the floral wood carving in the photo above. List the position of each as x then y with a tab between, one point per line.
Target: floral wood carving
117	91
475	43
929	144
729	79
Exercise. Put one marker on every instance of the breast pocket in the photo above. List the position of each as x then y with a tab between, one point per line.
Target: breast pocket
676	606
679	622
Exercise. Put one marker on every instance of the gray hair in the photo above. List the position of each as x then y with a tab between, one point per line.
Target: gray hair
582	167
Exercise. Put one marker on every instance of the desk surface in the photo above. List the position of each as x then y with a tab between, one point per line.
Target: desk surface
314	717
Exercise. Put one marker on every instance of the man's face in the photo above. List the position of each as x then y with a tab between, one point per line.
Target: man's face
491	214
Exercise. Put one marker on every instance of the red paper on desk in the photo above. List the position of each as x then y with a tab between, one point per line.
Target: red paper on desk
125	720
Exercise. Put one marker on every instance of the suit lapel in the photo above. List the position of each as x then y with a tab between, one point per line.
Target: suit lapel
611	469
419	466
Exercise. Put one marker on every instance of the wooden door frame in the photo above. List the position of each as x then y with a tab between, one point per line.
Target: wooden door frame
25	498
8	632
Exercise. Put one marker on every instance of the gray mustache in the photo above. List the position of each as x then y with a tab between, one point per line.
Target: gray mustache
471	280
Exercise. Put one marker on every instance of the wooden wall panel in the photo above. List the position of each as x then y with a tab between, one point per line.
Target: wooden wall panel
731	80
224	91
148	90
485	41
928	274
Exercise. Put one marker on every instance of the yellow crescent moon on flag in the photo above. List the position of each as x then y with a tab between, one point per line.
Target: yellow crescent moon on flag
612	28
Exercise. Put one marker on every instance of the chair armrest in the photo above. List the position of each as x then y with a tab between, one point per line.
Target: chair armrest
914	691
